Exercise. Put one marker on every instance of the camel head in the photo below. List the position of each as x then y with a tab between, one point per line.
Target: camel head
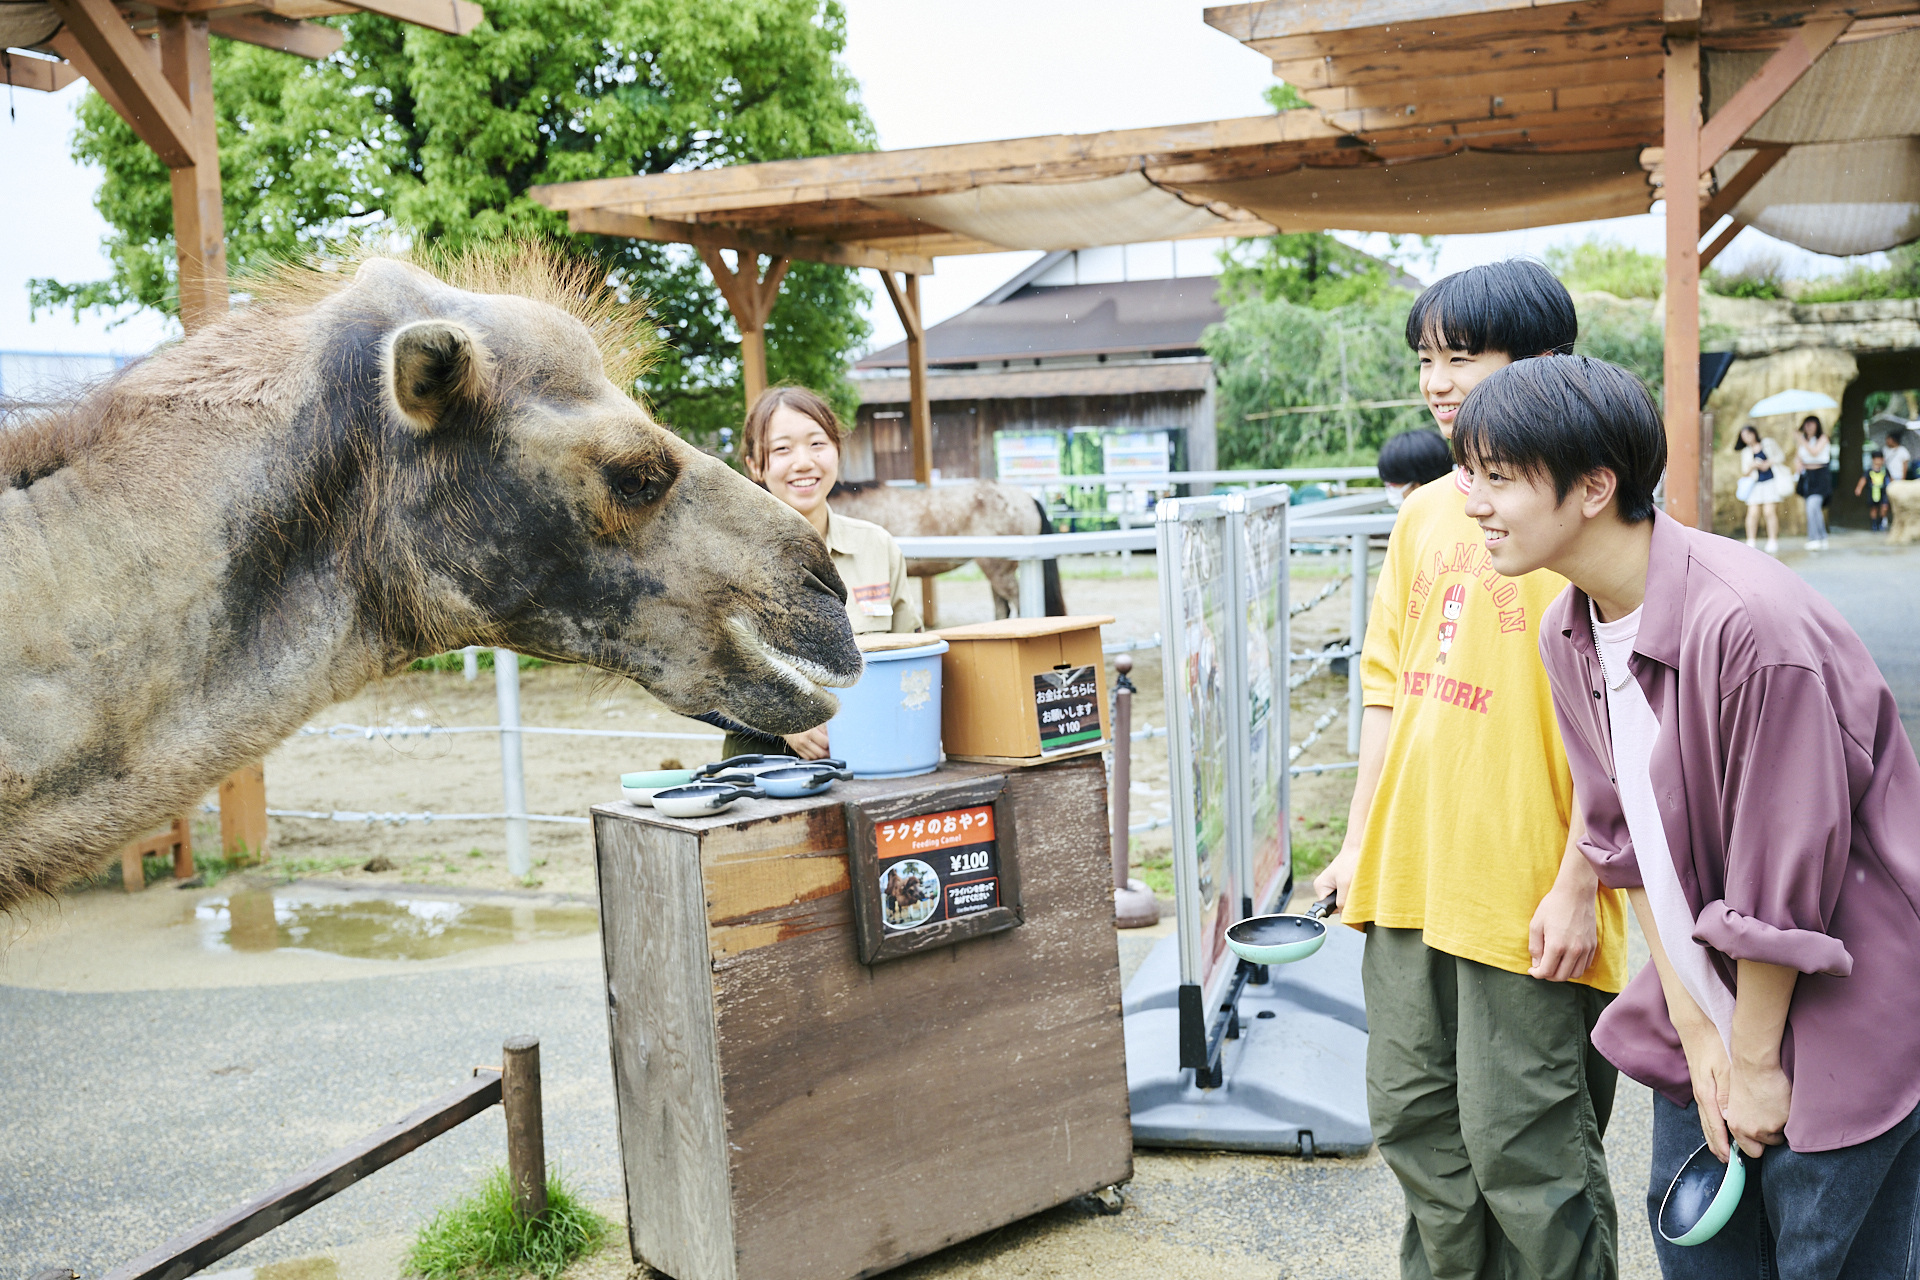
516	497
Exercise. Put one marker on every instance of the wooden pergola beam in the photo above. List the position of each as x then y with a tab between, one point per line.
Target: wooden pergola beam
1721	241
1756	168
607	222
929	170
119	64
905	295
288	35
1767	86
750	294
45	75
1689	497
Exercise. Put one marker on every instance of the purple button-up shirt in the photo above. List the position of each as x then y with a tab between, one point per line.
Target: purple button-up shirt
1791	801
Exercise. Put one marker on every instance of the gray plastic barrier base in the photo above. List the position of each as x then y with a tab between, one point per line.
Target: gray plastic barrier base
1301	1071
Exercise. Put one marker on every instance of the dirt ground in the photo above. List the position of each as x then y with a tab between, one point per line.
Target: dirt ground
566	775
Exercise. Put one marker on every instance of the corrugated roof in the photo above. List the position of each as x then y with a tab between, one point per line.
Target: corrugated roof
1037	322
1134	377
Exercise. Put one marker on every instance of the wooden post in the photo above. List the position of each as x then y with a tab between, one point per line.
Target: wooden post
906	303
243	814
526	1138
199	227
929	603
750	295
1682	182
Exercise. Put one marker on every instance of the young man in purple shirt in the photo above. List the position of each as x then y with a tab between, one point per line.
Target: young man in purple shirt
1744	775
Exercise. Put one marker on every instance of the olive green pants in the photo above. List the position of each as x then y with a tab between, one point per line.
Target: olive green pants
1489	1103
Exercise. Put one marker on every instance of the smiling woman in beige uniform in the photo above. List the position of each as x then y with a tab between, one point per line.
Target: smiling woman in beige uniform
791	447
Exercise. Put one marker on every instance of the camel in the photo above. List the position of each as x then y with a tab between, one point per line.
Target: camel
358	469
978	508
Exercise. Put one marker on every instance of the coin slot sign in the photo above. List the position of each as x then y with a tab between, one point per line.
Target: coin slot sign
1067	700
933	867
936	866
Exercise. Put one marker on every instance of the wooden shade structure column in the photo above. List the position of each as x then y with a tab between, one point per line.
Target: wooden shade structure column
152	61
1692	147
750	294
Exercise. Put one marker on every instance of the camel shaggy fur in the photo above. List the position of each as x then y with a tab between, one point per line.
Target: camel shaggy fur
359	469
978	508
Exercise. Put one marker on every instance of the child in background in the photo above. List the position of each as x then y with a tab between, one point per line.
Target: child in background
1874	483
1491	949
790	446
1410	460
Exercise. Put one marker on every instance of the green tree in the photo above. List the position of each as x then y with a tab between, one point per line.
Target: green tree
1307	268
1607	266
436	139
1275	353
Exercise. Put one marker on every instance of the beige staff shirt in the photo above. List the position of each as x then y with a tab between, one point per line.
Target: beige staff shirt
875	572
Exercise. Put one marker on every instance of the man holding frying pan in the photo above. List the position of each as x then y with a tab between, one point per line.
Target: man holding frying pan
1491	949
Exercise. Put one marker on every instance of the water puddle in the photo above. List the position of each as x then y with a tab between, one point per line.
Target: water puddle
300	917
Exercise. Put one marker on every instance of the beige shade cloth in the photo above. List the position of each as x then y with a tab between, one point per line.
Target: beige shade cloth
1855	91
23	25
1469	191
1837	197
1124	209
1851	184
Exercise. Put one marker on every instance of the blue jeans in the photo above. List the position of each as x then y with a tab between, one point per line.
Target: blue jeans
1849	1214
1816	517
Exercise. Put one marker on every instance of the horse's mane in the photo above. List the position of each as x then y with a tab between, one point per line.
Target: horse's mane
236	358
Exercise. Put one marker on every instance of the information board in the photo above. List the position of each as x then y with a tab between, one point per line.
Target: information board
931	868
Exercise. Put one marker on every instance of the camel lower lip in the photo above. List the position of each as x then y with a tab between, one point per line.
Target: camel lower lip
808	676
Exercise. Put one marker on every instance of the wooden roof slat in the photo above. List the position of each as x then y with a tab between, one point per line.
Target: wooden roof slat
1410	63
47	75
1248	22
302	39
1393	93
607	223
925	169
123	65
1468	32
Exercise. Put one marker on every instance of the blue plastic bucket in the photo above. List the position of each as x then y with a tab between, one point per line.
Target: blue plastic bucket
889	723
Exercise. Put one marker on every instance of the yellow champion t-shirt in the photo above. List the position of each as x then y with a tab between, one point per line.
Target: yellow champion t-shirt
1469	825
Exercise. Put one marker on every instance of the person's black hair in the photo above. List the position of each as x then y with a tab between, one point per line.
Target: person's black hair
1896	436
1565	417
1415	457
1515	307
1878	453
1740	436
1819	427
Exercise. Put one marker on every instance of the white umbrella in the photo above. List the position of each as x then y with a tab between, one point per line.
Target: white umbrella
1792	402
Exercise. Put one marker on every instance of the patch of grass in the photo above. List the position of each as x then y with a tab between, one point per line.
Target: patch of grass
1156	873
1316	839
457	661
480	1238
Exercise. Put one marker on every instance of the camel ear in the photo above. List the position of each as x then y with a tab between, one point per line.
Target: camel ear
436	364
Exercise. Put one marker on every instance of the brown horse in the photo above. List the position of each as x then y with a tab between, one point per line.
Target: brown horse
357	470
978	508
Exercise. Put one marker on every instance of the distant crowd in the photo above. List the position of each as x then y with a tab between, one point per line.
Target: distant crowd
1768	477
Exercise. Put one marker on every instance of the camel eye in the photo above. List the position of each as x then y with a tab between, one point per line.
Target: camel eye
636	487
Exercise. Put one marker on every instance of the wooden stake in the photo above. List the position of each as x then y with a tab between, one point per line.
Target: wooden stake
1682	142
526	1136
243	814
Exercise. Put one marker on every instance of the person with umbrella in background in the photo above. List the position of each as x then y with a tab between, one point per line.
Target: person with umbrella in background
1815	479
1762	483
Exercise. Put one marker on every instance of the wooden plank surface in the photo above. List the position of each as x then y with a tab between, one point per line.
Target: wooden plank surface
878	1114
660	1025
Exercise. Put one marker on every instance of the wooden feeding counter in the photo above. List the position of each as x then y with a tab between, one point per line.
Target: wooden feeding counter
853	1029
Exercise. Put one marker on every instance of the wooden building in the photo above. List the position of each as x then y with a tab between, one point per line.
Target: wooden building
1103	340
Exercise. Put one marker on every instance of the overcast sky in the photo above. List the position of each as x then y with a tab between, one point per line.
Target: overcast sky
931	72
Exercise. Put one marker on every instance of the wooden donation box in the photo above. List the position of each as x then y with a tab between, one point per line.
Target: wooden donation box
853	1029
1023	690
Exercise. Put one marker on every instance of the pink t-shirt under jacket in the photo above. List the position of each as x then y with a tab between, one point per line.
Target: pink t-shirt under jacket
1790	798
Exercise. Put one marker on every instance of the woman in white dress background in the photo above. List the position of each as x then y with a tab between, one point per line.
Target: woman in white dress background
1763	483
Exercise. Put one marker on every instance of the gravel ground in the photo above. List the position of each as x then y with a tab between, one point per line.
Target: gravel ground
154	1082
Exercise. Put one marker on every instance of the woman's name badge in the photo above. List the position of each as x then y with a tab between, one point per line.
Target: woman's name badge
875	600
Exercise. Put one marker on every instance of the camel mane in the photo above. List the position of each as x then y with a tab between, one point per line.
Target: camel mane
37	442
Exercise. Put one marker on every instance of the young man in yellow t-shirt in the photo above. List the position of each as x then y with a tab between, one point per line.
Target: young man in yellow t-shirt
1491	949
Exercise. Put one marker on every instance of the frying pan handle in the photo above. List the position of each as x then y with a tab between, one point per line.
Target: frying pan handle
1324	908
735	762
